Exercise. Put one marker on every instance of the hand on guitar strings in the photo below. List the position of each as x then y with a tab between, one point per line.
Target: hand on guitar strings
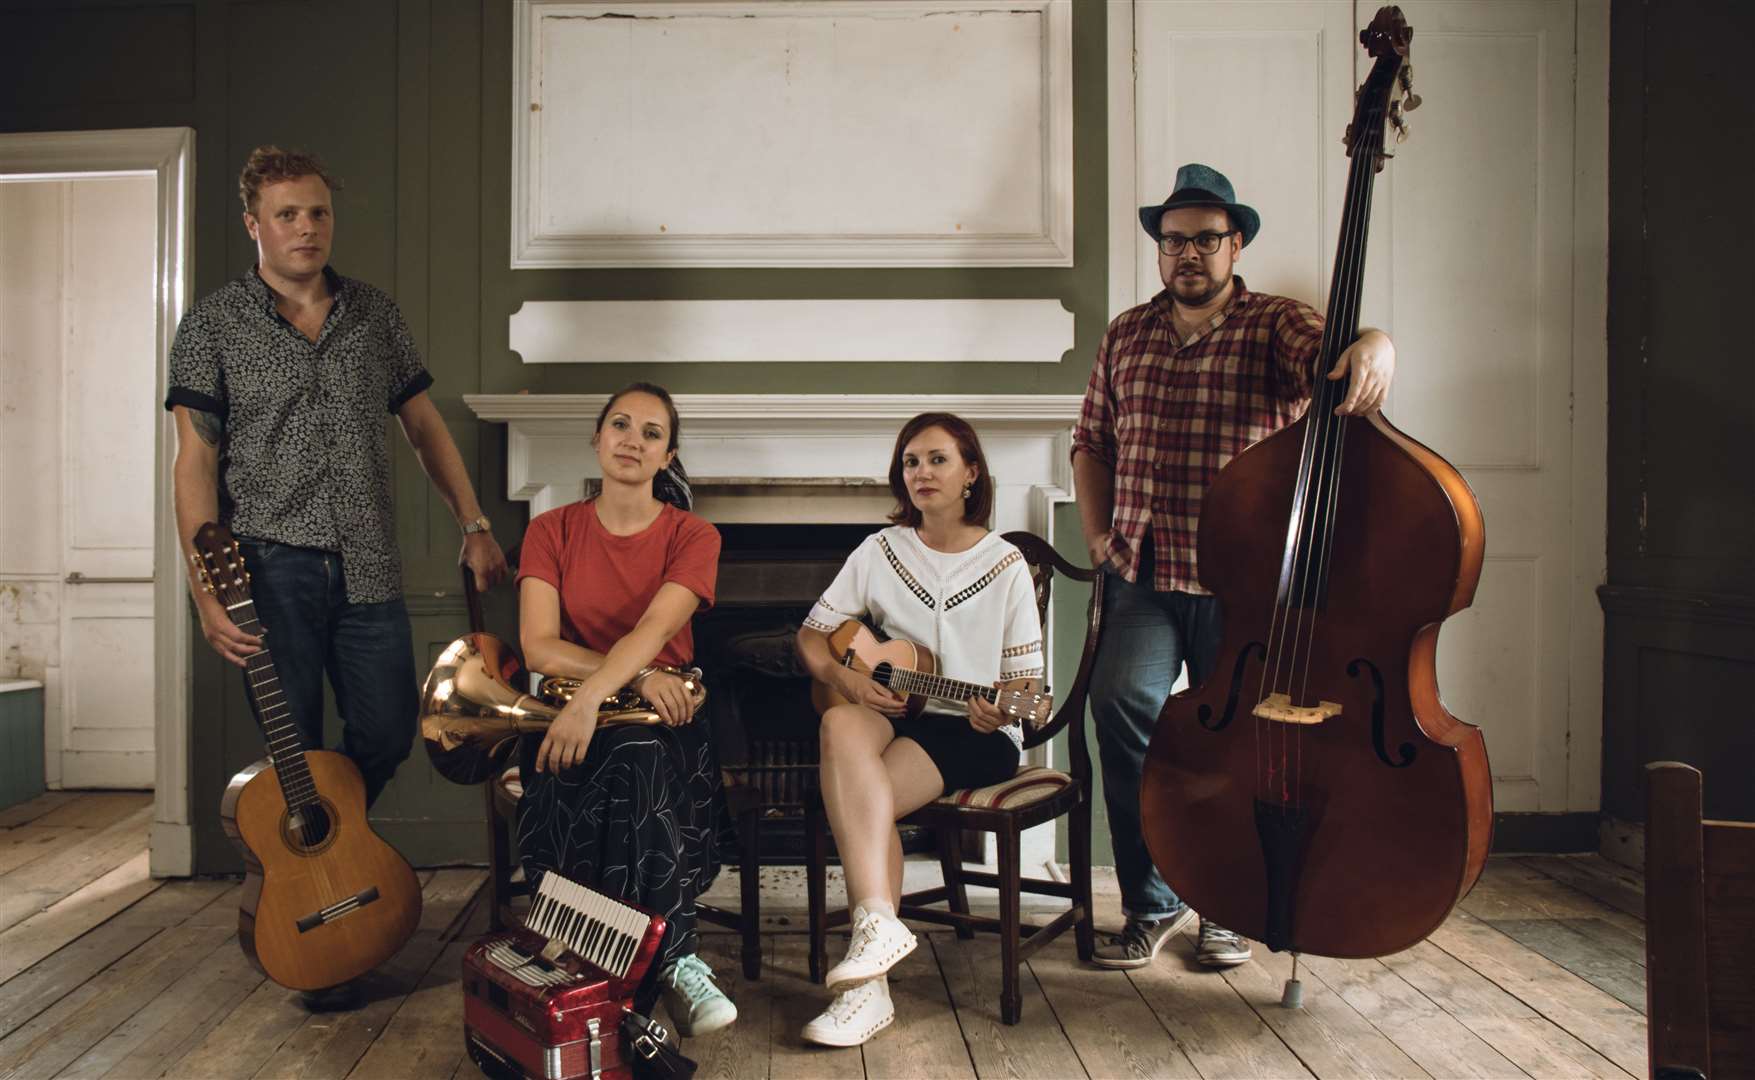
669	697
1371	362
984	715
568	737
861	690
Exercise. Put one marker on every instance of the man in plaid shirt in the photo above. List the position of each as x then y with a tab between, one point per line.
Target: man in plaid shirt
1182	384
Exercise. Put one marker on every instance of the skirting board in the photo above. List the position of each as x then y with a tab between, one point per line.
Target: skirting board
1545	834
792	331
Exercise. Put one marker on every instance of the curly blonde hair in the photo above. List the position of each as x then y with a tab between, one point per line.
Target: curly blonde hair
271	165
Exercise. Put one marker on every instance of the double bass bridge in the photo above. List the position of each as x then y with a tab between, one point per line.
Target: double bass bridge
1279	709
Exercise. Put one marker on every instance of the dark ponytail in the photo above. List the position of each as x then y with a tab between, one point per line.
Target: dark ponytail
671	485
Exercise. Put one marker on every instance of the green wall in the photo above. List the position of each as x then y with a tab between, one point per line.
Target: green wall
409	102
1679	605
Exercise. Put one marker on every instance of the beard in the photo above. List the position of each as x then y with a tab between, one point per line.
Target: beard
1199	288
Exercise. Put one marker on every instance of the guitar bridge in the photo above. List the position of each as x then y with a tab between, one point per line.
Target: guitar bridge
338	909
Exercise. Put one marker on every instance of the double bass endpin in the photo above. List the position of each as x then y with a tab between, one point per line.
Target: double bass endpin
1292	997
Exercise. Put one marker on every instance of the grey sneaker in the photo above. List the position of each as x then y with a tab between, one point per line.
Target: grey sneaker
1139	941
1220	947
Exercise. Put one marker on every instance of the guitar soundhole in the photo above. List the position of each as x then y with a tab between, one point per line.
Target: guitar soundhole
310	828
881	673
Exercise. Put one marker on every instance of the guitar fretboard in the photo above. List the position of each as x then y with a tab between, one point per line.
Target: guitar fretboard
285	747
904	681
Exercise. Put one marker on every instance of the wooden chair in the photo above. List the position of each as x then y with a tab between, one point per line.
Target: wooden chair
1035	795
1699	932
502	793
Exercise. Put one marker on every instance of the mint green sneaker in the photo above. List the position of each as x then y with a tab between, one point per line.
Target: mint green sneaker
696	1004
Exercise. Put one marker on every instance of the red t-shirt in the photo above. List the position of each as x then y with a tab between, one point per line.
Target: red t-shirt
607	582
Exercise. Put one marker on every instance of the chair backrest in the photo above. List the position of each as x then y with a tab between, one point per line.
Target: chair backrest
1699	932
1044	562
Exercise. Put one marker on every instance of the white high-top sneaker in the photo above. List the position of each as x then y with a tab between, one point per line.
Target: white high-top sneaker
854	1016
879	942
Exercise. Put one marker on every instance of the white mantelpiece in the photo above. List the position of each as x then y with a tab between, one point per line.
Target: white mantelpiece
815	458
796	457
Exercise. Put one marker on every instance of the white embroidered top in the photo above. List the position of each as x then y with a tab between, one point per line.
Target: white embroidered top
975	609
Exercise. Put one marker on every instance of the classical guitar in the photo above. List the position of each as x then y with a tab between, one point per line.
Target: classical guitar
325	899
911	670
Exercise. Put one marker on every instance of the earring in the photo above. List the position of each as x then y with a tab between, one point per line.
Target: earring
967	491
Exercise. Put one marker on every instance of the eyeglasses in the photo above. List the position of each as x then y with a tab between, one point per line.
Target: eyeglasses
1206	243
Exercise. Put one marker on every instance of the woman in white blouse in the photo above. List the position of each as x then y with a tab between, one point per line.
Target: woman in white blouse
939	578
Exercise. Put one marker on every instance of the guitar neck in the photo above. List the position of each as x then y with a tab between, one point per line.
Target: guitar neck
903	681
286	749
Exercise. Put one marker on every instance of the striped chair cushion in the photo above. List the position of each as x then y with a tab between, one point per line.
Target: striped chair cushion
1032	784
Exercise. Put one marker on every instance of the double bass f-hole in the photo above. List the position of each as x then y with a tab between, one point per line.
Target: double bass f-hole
1205	716
1406	751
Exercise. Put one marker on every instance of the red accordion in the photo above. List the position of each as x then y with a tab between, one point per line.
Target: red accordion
545	1001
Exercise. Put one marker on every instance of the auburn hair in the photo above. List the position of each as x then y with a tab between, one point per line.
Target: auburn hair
978	505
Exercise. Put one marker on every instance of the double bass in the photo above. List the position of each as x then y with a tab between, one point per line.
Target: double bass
1314	793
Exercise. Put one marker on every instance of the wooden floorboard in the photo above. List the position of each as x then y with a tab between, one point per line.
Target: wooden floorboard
1036	1046
106	972
1590	1015
91	854
1327	1034
1437	1041
1517	1032
33	809
1108	1024
1215	1027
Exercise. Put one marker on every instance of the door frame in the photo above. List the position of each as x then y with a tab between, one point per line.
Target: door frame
1590	356
168	155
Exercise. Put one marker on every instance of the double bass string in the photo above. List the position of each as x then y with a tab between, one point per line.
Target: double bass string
1320	465
1365	156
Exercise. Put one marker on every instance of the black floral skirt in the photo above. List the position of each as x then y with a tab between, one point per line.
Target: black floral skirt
638	819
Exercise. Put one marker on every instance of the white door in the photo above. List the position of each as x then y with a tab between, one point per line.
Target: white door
81	405
1485	265
109	407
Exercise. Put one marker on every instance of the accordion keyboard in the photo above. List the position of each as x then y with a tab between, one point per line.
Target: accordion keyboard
568	917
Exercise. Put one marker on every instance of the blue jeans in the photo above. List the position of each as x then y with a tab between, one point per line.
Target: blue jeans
1147	636
367	650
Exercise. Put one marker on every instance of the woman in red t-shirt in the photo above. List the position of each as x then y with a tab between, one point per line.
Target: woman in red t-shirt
606	589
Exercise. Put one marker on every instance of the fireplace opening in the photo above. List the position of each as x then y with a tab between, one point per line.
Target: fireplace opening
759	701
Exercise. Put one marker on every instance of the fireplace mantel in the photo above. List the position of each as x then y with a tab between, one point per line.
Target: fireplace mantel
790	457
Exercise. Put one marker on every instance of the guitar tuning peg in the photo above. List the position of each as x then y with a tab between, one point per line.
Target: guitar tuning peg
1411	102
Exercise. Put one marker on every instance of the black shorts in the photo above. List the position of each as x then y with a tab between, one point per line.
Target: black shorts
964	757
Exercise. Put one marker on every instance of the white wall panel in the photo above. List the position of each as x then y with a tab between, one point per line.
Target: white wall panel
853	132
784	331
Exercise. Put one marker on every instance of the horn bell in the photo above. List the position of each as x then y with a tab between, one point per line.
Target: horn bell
471	712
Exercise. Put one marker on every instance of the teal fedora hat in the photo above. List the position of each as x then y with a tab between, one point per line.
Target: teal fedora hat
1202	185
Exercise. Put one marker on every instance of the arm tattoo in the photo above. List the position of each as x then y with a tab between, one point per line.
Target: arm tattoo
210	426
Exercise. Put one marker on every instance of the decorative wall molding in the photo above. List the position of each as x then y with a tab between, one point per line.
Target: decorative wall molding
766	133
786	331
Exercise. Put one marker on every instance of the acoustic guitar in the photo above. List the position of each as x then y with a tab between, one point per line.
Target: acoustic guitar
911	670
325	898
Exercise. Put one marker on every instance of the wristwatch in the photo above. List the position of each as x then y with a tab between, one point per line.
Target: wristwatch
479	525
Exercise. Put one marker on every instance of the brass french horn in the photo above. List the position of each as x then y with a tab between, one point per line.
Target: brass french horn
471	712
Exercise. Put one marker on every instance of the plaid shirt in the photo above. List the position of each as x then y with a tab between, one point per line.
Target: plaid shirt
1166	414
